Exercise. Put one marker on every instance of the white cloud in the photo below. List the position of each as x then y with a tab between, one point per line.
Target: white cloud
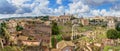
59	11
103	12
18	2
96	2
37	7
116	7
95	12
78	8
41	7
59	1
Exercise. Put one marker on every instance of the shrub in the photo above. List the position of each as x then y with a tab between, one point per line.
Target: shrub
117	26
19	28
55	28
112	34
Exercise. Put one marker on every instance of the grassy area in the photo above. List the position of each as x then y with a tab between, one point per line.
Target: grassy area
85	39
55	39
65	29
11	48
107	48
99	34
86	28
99	37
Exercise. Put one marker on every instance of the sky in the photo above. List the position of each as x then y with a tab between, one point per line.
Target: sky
19	8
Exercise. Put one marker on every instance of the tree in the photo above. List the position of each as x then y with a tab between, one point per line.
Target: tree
3	25
1	32
59	37
4	32
55	29
112	34
81	25
6	35
52	41
45	18
19	28
117	26
104	25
